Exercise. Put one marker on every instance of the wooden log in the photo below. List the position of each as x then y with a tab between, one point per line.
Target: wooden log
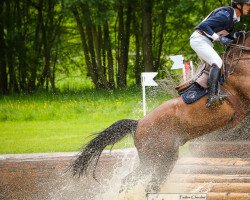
203	169
208	187
220	149
208	178
193	187
214	161
231	188
228	196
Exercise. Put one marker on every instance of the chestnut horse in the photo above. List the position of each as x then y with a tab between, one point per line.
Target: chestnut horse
159	134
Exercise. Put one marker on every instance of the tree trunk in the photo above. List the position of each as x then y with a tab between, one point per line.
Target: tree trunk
85	47
53	73
121	35
46	70
124	38
89	28
138	67
13	84
46	34
161	35
20	48
127	37
37	48
50	29
107	44
98	44
3	66
147	6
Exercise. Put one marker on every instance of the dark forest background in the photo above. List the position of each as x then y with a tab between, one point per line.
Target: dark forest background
107	42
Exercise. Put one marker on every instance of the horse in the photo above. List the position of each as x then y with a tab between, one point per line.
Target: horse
158	136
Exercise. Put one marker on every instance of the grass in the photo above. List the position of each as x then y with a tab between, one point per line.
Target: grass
63	122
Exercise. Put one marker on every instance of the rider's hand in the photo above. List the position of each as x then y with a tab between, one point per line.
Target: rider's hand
225	41
239	33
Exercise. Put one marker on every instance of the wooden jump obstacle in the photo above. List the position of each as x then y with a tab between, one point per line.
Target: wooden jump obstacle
38	176
220	178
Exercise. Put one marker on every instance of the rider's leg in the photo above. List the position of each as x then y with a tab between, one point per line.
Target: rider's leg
214	97
204	49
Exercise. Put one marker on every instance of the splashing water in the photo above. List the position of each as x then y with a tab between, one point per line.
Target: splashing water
110	188
109	183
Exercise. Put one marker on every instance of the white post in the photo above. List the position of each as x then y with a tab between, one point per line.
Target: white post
144	100
192	68
147	80
184	73
178	64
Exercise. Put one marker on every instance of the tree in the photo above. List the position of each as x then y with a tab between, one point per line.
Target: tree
147	7
119	39
123	41
3	64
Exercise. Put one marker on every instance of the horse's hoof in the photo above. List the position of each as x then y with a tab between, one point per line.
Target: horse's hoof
121	190
152	188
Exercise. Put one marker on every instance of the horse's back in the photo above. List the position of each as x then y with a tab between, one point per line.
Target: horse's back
188	121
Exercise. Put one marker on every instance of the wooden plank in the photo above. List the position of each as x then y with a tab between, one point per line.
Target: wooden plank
231	188
206	188
228	196
208	178
214	161
220	149
203	169
223	178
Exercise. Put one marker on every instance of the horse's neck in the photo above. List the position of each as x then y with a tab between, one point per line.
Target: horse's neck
247	41
239	82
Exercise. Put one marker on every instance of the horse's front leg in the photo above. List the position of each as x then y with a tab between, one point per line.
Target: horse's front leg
133	178
163	165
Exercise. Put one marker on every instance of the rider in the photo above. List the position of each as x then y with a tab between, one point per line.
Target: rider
216	27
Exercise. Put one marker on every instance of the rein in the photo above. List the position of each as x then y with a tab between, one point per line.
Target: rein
244	48
235	49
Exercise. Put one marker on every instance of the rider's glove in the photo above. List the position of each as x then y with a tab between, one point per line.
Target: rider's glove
239	34
225	41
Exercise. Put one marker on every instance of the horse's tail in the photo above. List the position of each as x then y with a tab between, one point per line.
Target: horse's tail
92	151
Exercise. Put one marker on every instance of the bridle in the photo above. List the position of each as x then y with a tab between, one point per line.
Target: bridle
233	54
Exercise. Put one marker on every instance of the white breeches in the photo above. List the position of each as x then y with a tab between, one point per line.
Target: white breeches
204	49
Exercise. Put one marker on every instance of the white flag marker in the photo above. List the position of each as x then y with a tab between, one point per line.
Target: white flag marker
178	62
147	79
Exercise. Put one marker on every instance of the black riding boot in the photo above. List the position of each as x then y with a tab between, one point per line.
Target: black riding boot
214	98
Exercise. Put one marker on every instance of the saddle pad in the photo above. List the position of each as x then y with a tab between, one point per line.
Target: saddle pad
193	93
201	77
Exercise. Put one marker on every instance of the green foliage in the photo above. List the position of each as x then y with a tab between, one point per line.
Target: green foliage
43	45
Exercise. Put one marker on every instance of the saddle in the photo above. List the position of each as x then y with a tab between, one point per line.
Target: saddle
201	78
194	89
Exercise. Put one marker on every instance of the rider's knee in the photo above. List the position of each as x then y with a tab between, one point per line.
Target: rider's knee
218	62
